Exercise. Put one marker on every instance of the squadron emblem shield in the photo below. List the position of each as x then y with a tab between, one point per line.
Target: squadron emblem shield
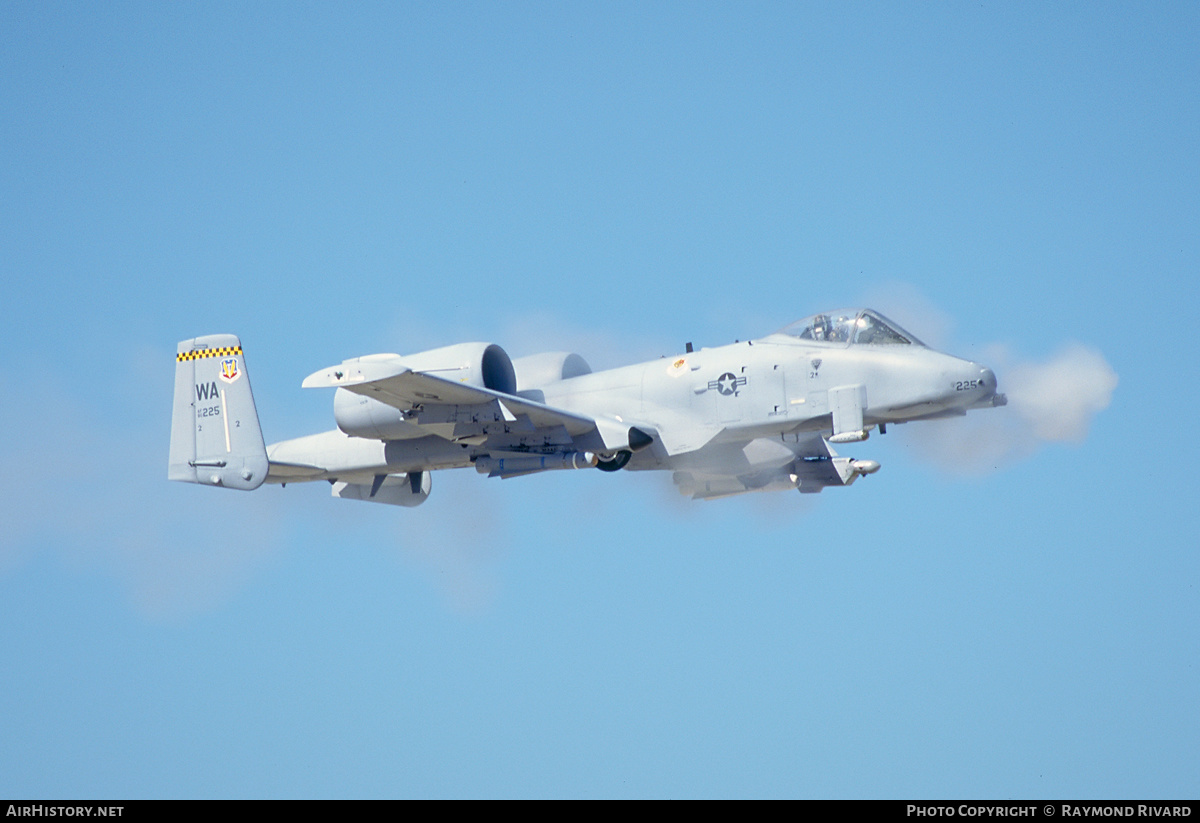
229	369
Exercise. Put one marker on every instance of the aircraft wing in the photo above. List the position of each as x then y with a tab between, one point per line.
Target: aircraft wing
809	464
460	411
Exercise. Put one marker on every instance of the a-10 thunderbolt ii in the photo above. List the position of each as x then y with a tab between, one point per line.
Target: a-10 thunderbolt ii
758	415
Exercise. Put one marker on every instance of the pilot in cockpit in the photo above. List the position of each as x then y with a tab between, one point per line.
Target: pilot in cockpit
850	326
838	332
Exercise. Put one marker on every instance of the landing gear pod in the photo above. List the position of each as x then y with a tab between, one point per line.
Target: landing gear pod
617	462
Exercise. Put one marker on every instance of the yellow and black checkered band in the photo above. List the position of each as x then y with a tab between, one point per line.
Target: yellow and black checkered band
200	354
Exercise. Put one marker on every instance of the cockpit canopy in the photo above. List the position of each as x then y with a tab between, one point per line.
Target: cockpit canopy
851	326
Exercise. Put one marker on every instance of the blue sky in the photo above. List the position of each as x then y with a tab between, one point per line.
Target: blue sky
1011	181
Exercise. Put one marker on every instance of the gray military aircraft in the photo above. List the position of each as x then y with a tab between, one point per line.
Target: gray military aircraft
758	415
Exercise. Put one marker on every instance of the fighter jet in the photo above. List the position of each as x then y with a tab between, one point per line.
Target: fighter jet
758	415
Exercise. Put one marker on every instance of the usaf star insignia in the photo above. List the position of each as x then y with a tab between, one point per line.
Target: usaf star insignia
727	383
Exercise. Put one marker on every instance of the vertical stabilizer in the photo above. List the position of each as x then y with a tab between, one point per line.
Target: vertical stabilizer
215	436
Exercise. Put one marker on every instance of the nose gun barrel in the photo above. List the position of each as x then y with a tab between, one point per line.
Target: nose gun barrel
991	397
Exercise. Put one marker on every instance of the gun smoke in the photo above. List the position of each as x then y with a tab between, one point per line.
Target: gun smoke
1053	401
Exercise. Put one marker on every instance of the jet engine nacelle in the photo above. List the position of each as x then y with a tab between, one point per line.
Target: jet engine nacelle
537	370
477	364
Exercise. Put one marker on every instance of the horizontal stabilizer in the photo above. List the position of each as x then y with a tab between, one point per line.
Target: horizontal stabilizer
293	471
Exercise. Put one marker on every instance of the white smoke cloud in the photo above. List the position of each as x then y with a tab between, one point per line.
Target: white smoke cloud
1059	398
457	539
1052	401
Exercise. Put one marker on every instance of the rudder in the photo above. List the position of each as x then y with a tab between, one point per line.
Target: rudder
215	436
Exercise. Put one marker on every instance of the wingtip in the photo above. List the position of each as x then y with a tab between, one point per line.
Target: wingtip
330	377
352	372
